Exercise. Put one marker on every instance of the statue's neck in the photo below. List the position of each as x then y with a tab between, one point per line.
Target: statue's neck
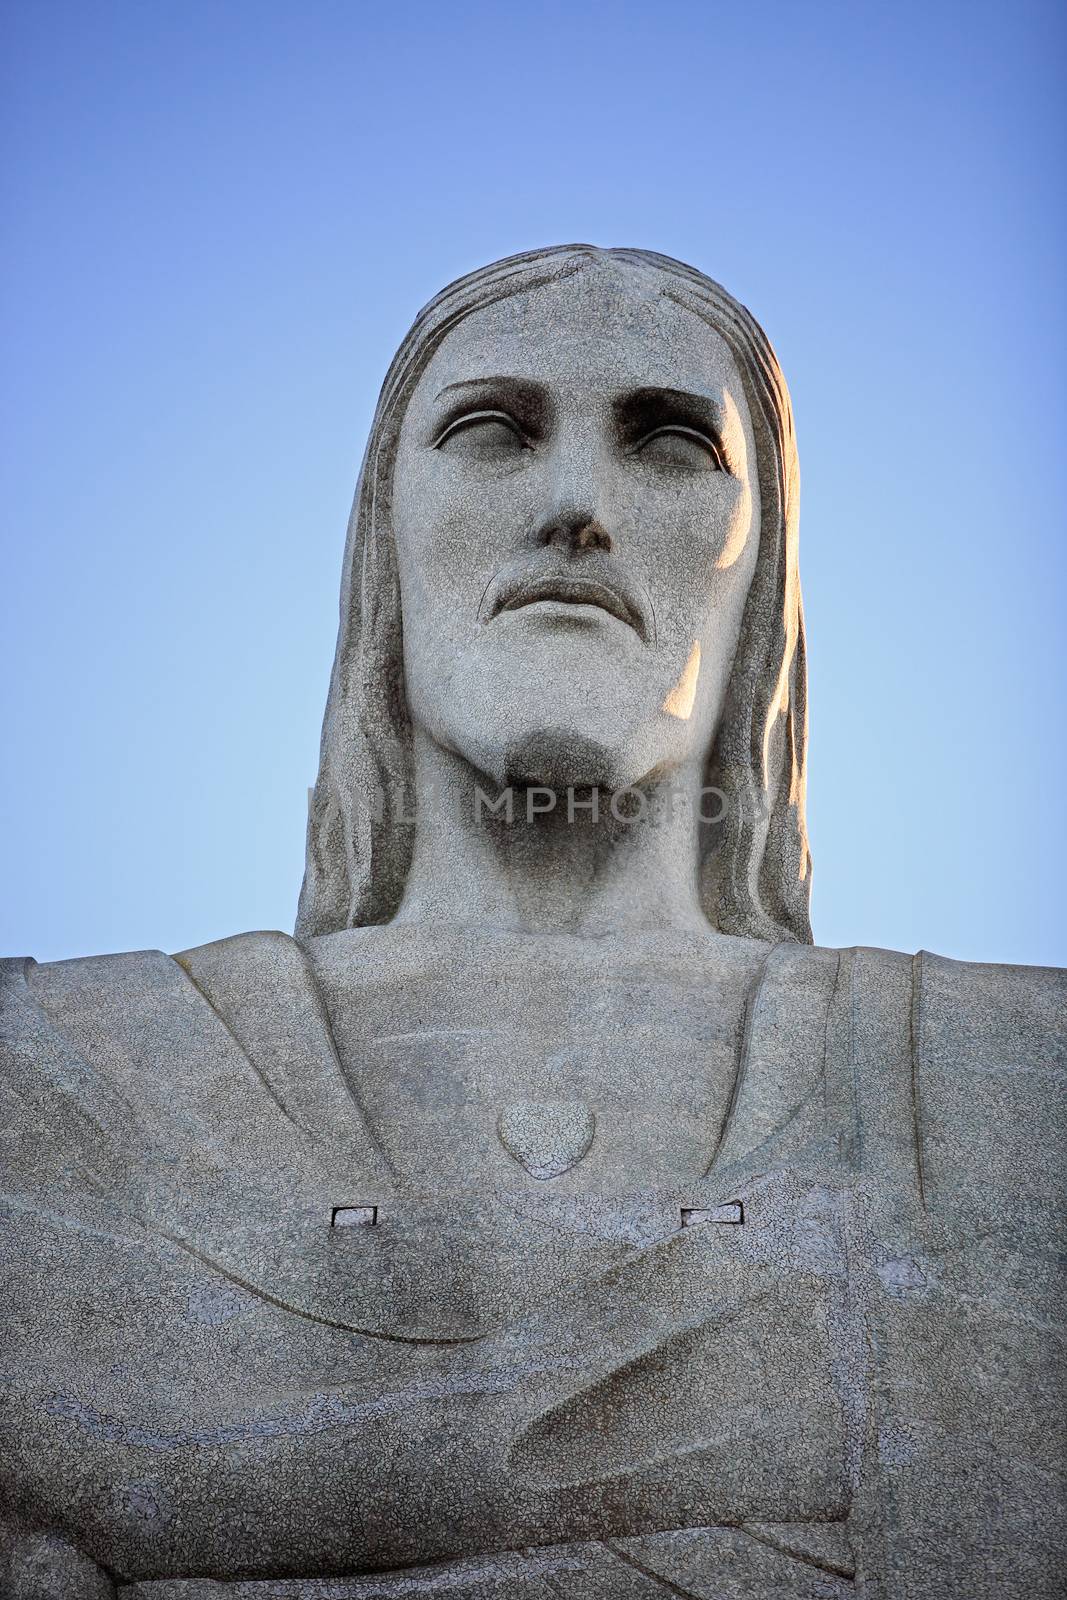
540	861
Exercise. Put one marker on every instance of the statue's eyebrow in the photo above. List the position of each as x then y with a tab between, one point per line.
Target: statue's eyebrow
641	410
529	401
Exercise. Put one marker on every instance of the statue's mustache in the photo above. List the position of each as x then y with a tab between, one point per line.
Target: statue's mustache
591	579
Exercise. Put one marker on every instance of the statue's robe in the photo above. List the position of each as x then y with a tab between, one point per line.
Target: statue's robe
845	1380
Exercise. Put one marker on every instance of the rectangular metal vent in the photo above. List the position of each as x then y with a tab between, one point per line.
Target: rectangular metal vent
732	1212
353	1216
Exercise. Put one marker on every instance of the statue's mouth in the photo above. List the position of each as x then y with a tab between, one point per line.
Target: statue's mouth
572	590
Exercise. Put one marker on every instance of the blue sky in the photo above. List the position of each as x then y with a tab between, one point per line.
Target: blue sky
219	220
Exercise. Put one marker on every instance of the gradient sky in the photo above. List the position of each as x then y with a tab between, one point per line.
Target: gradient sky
219	221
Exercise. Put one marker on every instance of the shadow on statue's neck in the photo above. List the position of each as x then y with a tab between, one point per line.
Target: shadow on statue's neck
537	859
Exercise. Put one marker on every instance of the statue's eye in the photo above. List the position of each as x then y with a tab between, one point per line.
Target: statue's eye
483	436
678	446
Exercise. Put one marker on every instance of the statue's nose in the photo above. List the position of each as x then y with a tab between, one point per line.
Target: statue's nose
574	518
576	530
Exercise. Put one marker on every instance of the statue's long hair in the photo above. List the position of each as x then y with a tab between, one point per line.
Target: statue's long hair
755	867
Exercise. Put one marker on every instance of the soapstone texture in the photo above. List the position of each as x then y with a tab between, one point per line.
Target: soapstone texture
550	1217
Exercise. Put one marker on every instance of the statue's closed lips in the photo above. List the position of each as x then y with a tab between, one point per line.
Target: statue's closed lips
612	596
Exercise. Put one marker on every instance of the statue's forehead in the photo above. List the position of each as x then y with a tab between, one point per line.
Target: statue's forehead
605	329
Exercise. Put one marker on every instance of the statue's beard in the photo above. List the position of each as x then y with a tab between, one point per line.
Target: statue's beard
552	750
557	758
559	719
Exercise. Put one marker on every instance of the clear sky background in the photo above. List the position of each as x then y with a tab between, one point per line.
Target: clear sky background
219	220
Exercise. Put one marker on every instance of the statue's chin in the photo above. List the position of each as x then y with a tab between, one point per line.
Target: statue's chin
521	725
558	758
560	754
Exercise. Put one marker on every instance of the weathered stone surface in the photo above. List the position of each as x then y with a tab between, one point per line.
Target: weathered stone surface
506	1368
552	1218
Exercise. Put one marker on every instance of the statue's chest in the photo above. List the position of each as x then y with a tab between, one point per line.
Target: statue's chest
540	1075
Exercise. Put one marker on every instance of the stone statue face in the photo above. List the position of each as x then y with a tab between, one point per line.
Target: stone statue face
576	515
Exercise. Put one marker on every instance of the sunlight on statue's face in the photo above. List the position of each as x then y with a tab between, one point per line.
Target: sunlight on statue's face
576	514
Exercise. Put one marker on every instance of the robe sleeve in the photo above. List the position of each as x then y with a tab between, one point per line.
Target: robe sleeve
968	1258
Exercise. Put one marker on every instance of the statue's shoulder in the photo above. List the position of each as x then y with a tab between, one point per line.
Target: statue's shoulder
990	1046
981	1020
157	1036
992	994
267	960
41	1001
973	1002
972	1058
150	980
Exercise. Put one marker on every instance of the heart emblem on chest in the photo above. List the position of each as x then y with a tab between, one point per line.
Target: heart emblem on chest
547	1137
